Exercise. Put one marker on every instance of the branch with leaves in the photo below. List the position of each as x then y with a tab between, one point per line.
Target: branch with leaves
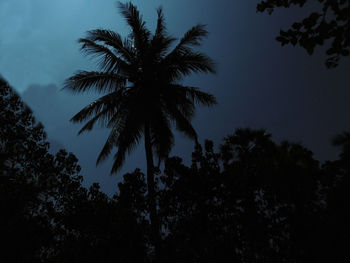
330	23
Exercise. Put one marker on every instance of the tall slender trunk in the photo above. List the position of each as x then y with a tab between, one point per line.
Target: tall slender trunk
155	229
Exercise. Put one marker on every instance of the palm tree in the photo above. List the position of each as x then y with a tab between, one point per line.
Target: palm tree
140	78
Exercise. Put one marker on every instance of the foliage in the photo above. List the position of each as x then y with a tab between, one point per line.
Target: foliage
252	200
331	22
46	214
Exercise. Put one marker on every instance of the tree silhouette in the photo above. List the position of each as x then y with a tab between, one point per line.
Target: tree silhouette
254	200
145	95
46	215
343	141
330	22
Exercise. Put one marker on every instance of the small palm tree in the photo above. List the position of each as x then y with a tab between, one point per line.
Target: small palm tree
143	96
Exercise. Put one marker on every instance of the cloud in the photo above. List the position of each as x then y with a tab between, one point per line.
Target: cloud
38	38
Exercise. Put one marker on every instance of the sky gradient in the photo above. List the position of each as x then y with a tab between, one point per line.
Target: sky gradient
258	84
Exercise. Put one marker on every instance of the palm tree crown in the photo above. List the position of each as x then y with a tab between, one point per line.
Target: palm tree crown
140	79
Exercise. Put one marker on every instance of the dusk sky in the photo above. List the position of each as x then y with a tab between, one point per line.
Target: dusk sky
258	83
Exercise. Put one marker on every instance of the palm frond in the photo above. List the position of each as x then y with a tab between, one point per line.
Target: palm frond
103	113
108	146
161	28
177	98
113	40
159	48
179	65
104	117
193	36
140	34
101	117
161	41
110	100
123	122
183	123
195	62
106	59
197	96
183	60
99	81
127	140
118	122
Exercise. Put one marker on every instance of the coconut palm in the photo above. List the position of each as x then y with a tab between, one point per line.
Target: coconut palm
143	96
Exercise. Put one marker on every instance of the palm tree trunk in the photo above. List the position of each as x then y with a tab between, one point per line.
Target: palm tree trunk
155	233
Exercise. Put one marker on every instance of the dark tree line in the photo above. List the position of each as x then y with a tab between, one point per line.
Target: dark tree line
252	200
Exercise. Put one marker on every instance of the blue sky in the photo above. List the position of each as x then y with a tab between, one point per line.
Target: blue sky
258	84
